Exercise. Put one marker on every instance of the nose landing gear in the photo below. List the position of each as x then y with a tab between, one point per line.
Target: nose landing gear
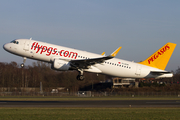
24	60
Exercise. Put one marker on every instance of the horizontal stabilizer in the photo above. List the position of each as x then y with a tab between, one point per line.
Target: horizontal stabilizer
160	72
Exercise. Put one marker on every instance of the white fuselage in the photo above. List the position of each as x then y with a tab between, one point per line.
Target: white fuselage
48	52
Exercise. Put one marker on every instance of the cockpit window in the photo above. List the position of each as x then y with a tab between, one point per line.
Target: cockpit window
12	41
15	42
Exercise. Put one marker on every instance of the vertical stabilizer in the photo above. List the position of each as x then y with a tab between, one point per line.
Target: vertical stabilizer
161	57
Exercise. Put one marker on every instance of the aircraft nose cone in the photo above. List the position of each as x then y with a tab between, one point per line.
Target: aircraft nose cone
5	46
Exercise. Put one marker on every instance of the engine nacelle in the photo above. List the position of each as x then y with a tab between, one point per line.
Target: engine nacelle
60	65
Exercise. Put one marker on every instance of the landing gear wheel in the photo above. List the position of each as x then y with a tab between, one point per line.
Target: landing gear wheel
80	77
22	65
24	60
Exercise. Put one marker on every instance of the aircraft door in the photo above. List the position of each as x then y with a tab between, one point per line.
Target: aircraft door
27	45
138	70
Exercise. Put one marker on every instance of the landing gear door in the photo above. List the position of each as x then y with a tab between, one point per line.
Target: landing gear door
27	45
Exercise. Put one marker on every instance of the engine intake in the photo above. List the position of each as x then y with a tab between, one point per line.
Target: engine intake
60	65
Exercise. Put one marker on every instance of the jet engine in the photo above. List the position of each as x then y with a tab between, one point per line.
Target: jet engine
60	65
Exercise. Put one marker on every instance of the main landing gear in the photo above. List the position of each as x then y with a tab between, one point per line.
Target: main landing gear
80	76
24	60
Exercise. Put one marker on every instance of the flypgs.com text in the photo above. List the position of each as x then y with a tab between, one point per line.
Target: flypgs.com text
53	51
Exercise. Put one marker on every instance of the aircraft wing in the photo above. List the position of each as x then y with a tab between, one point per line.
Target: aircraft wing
85	63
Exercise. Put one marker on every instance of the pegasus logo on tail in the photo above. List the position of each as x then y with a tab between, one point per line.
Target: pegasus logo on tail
161	57
158	54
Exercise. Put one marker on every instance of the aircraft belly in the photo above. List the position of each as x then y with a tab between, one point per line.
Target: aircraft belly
117	71
123	72
93	69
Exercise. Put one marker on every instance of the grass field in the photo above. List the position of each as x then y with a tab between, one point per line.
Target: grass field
89	113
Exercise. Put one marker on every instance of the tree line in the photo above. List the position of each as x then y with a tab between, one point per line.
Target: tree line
11	75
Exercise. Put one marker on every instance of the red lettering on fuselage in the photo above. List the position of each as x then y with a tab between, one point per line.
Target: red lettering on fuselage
66	53
61	52
53	51
33	45
158	54
49	51
73	54
44	48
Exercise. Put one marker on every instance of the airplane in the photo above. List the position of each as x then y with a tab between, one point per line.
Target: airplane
64	59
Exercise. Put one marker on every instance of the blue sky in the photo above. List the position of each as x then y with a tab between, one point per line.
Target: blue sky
141	27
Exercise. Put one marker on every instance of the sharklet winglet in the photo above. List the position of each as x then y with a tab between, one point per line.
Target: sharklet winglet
115	52
103	54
